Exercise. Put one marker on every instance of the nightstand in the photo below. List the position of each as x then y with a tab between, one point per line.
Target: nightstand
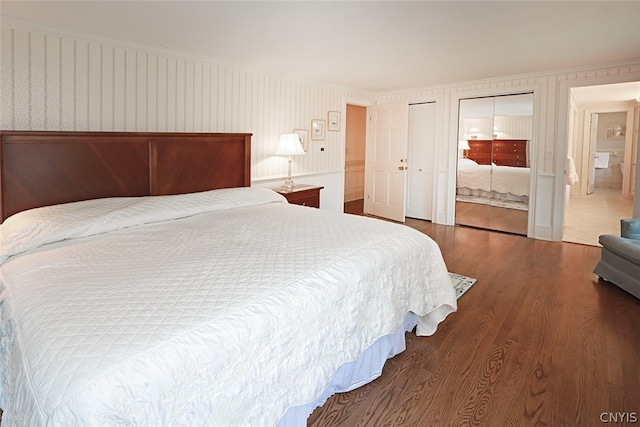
305	195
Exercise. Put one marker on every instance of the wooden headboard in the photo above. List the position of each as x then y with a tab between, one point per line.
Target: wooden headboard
41	168
502	152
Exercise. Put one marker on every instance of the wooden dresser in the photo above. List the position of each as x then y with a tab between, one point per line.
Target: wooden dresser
305	195
502	152
510	152
480	151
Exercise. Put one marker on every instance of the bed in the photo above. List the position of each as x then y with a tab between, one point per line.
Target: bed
493	183
495	172
144	282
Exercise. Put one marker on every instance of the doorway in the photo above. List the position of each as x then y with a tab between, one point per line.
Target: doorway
600	148
407	136
355	143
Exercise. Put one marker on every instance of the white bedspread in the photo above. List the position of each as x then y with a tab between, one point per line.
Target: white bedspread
503	179
216	308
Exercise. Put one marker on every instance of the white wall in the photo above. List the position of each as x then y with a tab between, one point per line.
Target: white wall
56	80
63	81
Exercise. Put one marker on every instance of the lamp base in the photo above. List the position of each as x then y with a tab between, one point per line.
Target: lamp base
288	184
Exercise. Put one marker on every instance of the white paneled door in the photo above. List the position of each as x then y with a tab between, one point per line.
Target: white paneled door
422	141
386	161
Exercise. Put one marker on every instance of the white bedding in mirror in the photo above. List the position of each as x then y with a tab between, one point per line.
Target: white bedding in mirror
488	178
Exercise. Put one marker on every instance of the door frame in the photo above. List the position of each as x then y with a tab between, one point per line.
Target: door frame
534	146
621	107
434	149
343	152
591	123
562	133
441	177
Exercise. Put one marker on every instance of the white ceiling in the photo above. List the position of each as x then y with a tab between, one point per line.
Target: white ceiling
607	94
371	46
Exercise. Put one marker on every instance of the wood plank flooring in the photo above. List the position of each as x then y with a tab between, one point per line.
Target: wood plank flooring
538	341
587	217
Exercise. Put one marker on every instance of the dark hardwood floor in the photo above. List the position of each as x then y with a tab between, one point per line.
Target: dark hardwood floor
538	341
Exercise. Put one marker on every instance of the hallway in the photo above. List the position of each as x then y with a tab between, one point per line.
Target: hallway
588	217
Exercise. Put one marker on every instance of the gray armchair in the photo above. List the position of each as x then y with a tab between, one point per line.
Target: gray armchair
620	259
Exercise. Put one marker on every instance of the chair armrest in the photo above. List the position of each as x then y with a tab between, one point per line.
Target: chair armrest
626	248
630	228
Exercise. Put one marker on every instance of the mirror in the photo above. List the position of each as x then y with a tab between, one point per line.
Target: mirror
493	176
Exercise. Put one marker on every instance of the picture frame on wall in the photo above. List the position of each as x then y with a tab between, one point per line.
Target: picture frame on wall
303	134
317	129
333	118
615	131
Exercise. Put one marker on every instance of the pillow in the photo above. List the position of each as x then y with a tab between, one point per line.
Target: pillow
34	228
466	162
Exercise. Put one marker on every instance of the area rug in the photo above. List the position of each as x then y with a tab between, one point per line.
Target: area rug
461	283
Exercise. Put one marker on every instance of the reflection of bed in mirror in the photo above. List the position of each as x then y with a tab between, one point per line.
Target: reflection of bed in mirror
495	172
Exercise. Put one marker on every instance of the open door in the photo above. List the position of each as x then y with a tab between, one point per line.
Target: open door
386	161
593	139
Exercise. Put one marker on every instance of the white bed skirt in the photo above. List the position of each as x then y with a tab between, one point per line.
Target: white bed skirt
355	374
492	197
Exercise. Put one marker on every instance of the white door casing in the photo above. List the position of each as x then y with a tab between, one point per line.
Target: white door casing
593	139
386	161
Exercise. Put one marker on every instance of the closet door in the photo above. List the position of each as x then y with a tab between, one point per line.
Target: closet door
493	174
473	192
421	160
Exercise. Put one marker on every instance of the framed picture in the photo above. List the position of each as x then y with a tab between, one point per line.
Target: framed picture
317	129
615	131
304	138
334	120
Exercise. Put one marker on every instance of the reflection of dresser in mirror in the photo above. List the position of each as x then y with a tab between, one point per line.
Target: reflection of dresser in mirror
502	152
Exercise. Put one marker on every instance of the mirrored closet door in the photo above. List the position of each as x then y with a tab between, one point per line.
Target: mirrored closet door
493	177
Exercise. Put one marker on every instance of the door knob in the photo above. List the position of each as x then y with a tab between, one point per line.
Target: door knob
400	168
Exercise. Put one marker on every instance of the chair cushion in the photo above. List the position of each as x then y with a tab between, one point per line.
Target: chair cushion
630	228
621	246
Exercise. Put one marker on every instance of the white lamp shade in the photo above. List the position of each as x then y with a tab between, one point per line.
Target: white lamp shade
463	144
289	145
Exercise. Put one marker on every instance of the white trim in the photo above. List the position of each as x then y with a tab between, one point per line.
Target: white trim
274	178
439	153
562	133
500	80
626	107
